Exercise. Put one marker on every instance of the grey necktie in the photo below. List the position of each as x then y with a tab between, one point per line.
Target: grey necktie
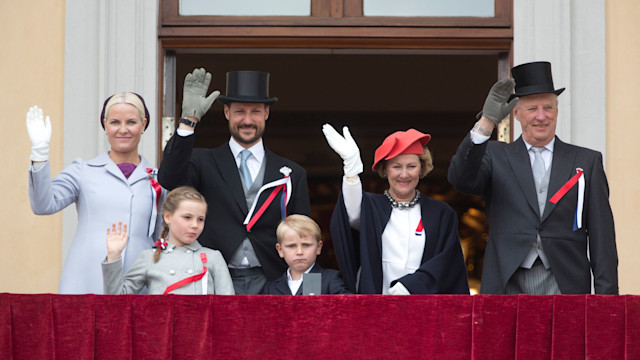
538	164
244	170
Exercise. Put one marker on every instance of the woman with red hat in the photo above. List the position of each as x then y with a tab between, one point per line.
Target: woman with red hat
400	242
117	184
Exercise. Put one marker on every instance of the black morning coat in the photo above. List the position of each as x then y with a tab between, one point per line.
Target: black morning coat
215	174
502	174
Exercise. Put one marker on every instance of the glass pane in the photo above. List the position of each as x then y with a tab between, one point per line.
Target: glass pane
246	7
479	8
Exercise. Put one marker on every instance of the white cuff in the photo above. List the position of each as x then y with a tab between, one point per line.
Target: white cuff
352	195
399	289
478	138
183	132
35	166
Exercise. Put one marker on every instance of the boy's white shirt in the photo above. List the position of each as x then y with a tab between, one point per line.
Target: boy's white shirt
294	285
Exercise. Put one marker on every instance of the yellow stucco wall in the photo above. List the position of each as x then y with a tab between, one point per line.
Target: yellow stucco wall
31	72
623	127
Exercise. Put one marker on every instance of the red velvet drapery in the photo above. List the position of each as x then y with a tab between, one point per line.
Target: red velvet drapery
359	326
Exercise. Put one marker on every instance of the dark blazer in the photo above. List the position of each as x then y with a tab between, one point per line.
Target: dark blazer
331	283
502	173
442	269
215	174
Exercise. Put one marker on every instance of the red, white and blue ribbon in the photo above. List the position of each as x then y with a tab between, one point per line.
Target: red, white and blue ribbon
578	178
577	223
203	258
156	190
419	228
161	244
194	278
283	184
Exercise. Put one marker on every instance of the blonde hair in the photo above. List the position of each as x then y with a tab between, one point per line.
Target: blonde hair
125	98
301	224
171	204
426	164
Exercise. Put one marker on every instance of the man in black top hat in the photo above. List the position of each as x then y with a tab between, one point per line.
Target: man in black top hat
550	222
248	188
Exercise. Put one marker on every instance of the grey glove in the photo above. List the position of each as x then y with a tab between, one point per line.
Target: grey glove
346	147
194	102
496	107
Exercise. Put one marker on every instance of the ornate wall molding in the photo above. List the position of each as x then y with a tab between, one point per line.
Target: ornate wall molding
571	35
110	46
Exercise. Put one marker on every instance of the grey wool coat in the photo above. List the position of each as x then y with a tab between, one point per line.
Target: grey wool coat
175	264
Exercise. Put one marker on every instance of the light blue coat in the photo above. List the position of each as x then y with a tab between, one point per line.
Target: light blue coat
102	196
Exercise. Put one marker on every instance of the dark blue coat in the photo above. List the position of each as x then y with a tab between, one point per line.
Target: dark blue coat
331	283
443	269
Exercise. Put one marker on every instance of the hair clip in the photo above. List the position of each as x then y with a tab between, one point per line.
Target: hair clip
161	243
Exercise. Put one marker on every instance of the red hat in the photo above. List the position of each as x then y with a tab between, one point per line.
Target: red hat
407	142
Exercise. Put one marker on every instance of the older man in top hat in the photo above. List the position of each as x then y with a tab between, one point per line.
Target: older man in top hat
248	188
550	222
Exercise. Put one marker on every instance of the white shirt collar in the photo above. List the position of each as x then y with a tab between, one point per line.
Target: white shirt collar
549	146
306	272
257	150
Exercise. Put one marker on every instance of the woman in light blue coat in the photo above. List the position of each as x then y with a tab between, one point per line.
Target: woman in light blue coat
118	184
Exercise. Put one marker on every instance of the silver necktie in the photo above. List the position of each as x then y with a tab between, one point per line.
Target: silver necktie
538	164
244	170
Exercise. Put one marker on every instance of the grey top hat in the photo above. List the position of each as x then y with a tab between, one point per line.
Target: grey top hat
247	87
533	78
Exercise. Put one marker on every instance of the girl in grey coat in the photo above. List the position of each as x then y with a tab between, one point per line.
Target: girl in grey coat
179	266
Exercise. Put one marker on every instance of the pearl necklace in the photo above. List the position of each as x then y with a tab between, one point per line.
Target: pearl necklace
403	205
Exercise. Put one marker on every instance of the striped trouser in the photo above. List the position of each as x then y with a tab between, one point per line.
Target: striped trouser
534	281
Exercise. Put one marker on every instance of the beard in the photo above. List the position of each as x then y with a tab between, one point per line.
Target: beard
235	133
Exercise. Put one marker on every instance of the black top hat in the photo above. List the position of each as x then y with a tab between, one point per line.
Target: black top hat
533	78
247	87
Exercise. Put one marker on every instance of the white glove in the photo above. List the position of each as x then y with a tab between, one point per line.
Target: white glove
194	102
346	147
398	289
40	134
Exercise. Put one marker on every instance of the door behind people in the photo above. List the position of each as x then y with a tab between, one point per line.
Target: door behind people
374	93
